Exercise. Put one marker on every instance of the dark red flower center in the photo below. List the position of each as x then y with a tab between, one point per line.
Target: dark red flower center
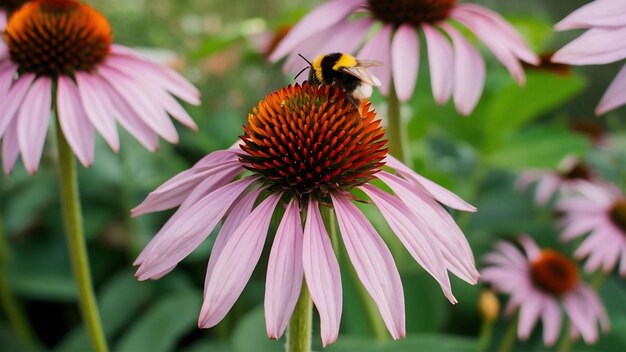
414	12
309	140
54	37
617	214
553	273
578	172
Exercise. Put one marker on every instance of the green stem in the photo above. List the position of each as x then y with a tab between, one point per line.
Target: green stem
486	334
510	336
10	305
371	311
73	221
395	130
566	341
300	326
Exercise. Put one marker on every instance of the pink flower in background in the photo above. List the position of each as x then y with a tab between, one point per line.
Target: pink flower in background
604	42
570	174
600	213
540	283
456	68
305	148
97	84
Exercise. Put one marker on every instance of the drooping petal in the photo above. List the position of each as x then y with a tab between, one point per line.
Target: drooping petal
441	63
32	122
235	263
185	233
599	13
164	76
441	194
143	104
373	263
594	47
379	48
546	188
529	314
321	271
10	147
469	72
284	272
7	74
74	122
324	16
414	236
405	55
97	104
614	96
532	250
551	319
175	190
584	323
13	100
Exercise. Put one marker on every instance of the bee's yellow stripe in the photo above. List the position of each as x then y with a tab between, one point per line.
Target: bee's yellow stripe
317	67
345	60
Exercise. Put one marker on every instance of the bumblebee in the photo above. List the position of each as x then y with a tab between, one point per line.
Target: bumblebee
346	72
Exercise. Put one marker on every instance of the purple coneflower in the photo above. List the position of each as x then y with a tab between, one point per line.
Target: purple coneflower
539	284
307	149
599	211
571	173
61	51
602	43
457	69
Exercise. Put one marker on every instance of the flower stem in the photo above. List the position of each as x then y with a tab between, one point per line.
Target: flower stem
299	329
566	341
510	336
395	130
486	334
10	305
72	217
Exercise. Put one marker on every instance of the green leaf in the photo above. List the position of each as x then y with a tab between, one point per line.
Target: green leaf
164	323
426	342
250	334
426	306
537	148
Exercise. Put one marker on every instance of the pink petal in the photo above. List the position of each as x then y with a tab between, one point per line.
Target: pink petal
548	185
235	263
529	314
7	74
324	16
321	271
74	122
440	60
186	232
576	309
97	105
614	96
163	76
414	235
469	72
551	319
10	147
174	191
239	212
440	194
599	13
595	46
32	122
373	263
529	245
13	100
144	105
284	272
379	48
405	55
130	121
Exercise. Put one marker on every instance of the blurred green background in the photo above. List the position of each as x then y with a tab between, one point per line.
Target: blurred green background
211	43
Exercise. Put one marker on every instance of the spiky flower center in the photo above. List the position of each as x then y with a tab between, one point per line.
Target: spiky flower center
57	37
617	214
414	12
553	273
309	140
577	172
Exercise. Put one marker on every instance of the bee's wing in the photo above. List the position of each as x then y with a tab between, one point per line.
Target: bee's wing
369	63
362	74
